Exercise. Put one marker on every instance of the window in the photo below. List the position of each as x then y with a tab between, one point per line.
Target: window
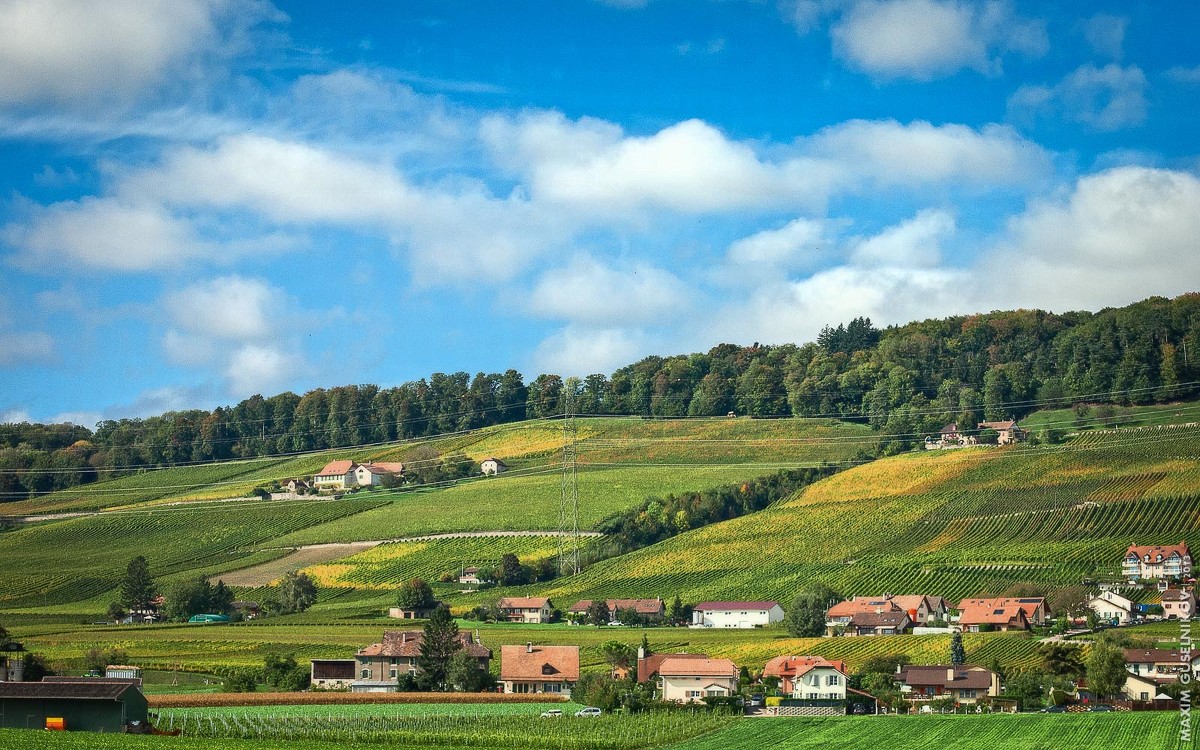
520	687
692	694
366	673
552	687
834	679
392	672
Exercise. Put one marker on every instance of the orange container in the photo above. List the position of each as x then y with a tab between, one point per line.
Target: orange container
56	723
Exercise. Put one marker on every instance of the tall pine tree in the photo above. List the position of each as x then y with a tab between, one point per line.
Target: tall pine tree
137	589
438	646
958	654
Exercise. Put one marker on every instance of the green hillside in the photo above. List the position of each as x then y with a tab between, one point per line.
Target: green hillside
951	523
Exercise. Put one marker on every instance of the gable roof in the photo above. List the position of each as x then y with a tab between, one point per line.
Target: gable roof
758	606
1151	552
896	619
649	666
794	666
993	614
690	667
522	602
641	606
1176	595
494	460
1156	656
112	690
1005	425
334	468
965	677
860	604
395	467
1029	605
539	663
407	643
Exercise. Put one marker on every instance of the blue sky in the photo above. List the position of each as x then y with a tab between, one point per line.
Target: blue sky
207	199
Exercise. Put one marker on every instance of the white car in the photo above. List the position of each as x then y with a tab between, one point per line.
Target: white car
588	712
554	713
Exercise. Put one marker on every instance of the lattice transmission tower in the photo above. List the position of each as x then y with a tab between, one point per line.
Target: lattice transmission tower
568	506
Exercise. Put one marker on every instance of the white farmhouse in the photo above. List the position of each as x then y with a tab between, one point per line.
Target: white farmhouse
1111	607
492	466
735	614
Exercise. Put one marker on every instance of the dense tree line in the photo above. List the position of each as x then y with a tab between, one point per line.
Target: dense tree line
904	381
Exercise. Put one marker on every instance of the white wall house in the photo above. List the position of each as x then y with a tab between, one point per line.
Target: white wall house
491	466
690	680
819	682
1157	561
1110	606
736	614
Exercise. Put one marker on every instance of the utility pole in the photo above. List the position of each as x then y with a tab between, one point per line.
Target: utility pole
568	506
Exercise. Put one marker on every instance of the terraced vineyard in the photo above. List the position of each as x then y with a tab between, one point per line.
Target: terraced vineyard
955	523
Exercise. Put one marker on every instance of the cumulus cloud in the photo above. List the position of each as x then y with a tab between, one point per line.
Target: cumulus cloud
915	243
589	292
88	53
14	416
581	350
1121	235
230	308
1105	99
256	368
25	347
795	243
926	39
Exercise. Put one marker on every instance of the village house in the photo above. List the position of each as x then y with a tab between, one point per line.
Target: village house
690	680
1155	561
249	610
1160	664
879	623
1112	608
469	576
383	663
332	674
800	674
921	610
420	613
344	474
966	684
295	486
736	614
490	467
1033	607
1007	432
1141	688
539	669
948	437
1179	604
648	664
984	618
531	609
649	609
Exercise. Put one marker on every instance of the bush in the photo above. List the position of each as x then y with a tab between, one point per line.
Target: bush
240	680
775	700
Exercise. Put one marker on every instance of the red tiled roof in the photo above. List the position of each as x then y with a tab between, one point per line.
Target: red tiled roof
550	663
334	468
981	614
1176	595
522	602
673	666
707	606
1029	605
1007	425
1154	550
793	666
649	666
861	604
395	467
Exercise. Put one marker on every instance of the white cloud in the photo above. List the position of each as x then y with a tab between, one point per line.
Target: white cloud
925	39
14	416
26	347
581	350
1181	74
794	243
886	152
82	418
230	308
1105	99
104	233
257	368
1106	34
100	53
915	243
589	292
1121	235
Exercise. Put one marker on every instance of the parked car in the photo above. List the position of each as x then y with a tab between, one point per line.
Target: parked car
755	701
1054	710
858	709
588	712
554	713
1101	708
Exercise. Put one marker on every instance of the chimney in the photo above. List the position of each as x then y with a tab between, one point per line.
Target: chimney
950	674
641	652
529	647
404	637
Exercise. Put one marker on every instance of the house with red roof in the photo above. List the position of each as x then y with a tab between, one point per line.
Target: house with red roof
804	676
648	664
650	609
736	614
539	669
691	680
346	474
996	615
879	623
531	609
1157	561
336	475
1033	607
379	665
1007	432
920	608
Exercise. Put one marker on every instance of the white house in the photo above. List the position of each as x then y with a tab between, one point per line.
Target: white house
530	609
340	475
819	682
491	466
1178	604
336	475
736	614
1111	607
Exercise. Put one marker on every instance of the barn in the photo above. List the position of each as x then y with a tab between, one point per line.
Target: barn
82	706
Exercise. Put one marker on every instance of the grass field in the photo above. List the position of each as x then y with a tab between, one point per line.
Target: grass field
1151	731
